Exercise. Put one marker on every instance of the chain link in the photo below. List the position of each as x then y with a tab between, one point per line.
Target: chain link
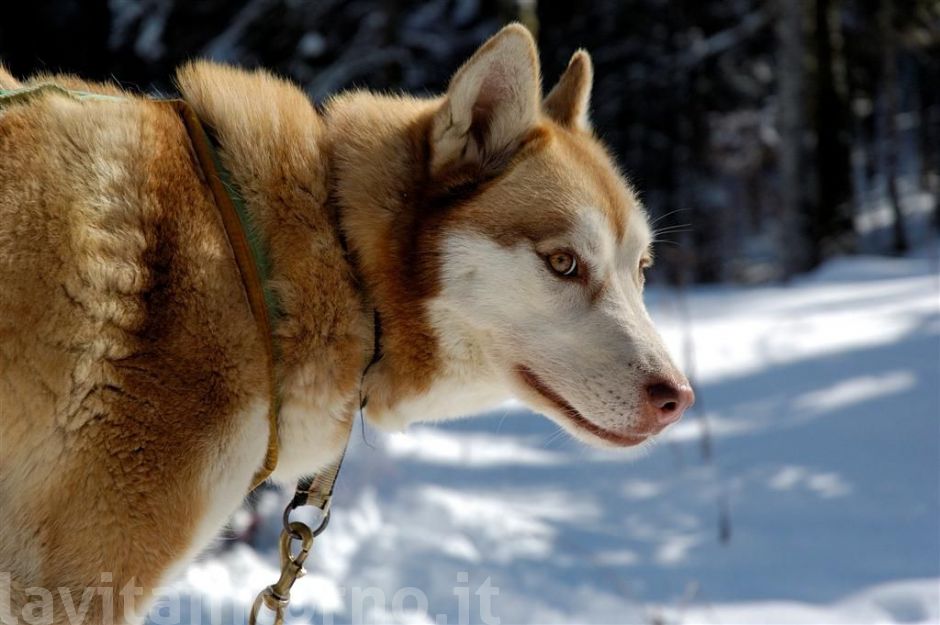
277	596
315	493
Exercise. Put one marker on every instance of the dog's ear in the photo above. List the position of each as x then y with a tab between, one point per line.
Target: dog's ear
492	102
570	99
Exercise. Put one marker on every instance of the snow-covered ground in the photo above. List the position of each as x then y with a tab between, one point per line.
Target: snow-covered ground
819	501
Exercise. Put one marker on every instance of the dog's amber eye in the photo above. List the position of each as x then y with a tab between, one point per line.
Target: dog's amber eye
564	264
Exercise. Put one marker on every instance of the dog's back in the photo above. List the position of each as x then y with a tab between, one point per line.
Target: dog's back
123	343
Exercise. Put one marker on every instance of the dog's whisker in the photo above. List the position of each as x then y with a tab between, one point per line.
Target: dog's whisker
670	226
663	216
554	437
670	229
502	418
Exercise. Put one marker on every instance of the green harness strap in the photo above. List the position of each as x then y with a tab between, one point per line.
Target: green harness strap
249	227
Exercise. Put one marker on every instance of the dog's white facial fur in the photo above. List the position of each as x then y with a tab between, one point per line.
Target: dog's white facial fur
596	351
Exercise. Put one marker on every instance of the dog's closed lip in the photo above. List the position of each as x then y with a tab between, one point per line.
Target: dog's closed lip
536	384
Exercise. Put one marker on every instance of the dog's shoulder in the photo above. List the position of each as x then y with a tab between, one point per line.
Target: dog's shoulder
263	121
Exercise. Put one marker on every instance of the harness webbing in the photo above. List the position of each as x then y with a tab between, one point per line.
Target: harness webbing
252	261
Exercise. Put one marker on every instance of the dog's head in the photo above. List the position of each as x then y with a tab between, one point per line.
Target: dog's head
537	253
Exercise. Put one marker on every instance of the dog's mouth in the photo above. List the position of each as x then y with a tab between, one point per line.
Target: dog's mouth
572	415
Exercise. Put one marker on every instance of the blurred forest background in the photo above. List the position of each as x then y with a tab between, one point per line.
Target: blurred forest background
768	134
767	138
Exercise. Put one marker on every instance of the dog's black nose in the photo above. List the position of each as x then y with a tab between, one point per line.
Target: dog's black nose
668	401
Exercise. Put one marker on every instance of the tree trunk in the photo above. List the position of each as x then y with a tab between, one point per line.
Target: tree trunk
889	107
791	239
58	36
830	220
928	79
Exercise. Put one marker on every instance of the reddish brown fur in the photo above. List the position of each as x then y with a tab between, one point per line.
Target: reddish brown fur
105	341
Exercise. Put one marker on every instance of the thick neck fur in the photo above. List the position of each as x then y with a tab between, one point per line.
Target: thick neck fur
378	159
360	170
393	215
277	150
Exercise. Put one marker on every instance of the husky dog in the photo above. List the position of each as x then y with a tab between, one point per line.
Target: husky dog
487	229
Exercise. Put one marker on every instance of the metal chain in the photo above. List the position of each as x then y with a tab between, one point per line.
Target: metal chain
276	597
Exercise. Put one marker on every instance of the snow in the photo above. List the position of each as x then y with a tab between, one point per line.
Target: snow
819	501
